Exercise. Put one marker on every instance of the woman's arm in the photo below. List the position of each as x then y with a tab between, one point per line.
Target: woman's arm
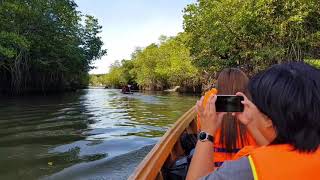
201	163
202	160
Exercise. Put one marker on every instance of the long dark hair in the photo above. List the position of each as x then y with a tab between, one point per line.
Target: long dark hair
229	82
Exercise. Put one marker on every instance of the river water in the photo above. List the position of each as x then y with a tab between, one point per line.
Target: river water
90	134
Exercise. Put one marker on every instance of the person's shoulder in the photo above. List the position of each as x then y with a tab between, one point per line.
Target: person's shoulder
238	169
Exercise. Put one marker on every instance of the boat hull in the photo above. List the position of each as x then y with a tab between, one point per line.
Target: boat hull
167	150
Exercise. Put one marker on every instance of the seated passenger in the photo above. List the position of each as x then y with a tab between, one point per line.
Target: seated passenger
285	109
232	135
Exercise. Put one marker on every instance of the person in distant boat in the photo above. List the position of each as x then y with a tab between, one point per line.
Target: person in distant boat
285	109
125	89
232	135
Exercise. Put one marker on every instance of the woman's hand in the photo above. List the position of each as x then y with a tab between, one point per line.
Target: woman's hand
210	119
249	113
250	117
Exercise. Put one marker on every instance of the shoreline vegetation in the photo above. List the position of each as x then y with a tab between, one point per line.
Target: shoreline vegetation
46	46
250	35
49	46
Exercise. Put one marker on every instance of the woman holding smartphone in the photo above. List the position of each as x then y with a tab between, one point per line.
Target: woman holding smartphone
285	109
232	135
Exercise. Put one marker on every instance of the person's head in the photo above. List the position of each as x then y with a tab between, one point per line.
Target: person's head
230	81
289	97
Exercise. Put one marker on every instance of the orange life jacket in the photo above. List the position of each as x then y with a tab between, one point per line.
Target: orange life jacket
244	152
220	152
282	162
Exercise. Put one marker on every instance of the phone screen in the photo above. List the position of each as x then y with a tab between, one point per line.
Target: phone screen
229	103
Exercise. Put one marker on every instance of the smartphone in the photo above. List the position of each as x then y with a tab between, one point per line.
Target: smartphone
229	103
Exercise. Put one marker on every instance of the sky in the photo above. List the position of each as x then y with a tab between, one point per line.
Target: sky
127	24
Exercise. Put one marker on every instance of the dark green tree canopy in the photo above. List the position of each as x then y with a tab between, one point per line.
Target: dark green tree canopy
44	46
252	34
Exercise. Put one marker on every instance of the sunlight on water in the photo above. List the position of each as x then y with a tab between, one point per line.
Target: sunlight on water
94	133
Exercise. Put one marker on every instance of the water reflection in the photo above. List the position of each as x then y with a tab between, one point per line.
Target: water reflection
63	135
30	126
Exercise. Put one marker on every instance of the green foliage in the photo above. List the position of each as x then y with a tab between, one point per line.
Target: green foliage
127	74
252	34
160	66
11	42
94	80
313	62
119	75
92	42
44	46
49	45
97	80
157	66
114	77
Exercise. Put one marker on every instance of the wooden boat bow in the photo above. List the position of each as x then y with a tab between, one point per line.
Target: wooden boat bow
167	149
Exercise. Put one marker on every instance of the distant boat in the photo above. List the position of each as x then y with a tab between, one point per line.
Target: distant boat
126	90
167	150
